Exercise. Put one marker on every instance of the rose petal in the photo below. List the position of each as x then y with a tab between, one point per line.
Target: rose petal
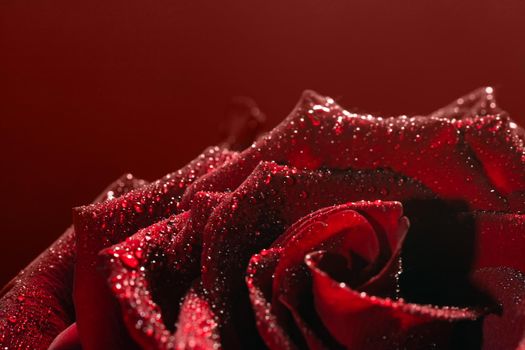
476	103
331	228
100	226
271	199
292	285
500	239
152	270
37	304
308	322
275	326
358	320
506	330
318	133
259	279
68	339
274	197
131	284
352	223
496	143
198	327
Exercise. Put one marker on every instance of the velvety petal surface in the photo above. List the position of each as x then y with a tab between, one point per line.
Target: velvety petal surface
479	102
37	304
433	150
152	270
311	216
99	226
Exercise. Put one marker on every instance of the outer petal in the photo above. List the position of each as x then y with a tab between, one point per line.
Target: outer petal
134	286
37	304
100	226
151	271
320	134
497	144
479	102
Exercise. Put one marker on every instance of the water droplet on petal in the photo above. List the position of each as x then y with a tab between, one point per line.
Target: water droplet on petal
139	253
129	260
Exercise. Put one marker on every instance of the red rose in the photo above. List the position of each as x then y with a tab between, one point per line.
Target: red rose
302	240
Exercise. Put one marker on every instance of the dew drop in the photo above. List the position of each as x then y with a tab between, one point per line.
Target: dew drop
129	260
117	287
139	253
338	129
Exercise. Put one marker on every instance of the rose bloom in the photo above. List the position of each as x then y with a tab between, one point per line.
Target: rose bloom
333	230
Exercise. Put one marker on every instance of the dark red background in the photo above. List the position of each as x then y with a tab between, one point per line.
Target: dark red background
92	89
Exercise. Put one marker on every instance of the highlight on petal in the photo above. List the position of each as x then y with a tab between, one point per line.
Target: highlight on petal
433	150
37	304
99	226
